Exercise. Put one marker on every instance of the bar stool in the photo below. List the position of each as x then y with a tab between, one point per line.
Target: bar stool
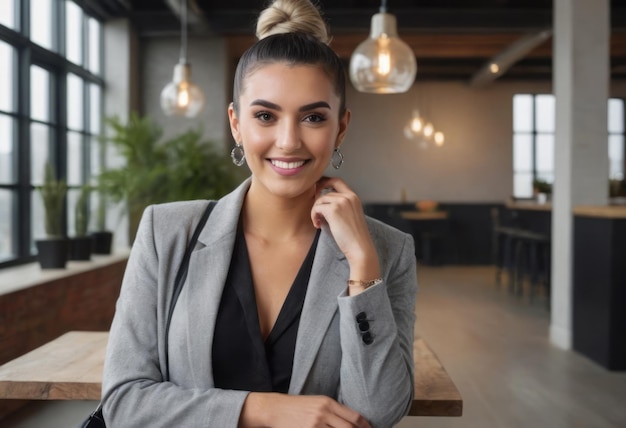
532	260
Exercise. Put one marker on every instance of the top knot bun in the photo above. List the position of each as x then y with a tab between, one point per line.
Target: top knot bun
292	16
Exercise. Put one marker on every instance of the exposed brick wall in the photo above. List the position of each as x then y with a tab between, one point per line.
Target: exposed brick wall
32	317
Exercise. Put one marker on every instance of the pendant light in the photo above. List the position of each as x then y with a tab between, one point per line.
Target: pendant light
181	97
383	64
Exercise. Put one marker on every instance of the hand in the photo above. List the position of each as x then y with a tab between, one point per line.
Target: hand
341	210
307	411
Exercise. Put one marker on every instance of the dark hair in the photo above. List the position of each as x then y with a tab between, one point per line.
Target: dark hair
292	49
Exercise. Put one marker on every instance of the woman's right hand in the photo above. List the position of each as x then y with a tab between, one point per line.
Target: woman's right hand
306	411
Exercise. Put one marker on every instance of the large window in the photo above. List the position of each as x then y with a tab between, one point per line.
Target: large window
533	141
50	111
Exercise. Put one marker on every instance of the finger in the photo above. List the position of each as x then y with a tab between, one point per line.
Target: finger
353	418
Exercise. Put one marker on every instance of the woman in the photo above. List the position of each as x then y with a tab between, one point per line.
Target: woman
297	310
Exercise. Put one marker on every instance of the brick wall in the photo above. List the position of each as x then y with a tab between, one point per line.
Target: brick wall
33	316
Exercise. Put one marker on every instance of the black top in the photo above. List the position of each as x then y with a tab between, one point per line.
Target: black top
241	360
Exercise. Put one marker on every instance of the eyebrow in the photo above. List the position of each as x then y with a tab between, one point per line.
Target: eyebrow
268	104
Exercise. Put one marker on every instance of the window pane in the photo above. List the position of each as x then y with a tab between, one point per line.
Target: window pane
37	223
7	153
39	94
522	113
74	102
7	96
616	116
95	112
616	157
94	45
522	153
96	158
544	113
73	32
39	151
74	158
7	227
72	198
7	13
523	184
41	22
544	154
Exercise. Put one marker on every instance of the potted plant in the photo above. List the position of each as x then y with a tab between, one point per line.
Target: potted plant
80	245
541	190
183	167
52	252
101	239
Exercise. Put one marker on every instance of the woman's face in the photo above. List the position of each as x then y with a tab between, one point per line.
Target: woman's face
289	124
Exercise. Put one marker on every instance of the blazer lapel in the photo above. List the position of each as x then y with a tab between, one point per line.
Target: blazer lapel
208	269
328	279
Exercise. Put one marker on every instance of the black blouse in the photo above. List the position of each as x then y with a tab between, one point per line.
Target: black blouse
241	360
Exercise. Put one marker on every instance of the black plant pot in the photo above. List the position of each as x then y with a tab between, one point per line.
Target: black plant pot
80	248
52	253
101	242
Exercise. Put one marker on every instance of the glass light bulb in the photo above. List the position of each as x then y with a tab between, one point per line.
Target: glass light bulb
181	97
439	138
383	64
429	129
417	124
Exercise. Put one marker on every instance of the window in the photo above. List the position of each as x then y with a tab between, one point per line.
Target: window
533	141
58	122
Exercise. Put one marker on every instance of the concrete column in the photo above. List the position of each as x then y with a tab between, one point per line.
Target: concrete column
581	86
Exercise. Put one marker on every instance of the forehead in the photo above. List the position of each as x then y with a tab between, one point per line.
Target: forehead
293	80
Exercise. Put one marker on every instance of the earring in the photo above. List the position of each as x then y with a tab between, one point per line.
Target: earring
238	155
337	159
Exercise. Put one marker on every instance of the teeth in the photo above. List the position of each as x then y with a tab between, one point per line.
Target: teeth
287	165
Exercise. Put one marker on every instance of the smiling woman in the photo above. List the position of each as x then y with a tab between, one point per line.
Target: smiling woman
297	309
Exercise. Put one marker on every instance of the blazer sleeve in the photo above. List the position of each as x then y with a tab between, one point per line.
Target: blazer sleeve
376	329
134	392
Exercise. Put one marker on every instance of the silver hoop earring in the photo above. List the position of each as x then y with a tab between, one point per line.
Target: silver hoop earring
337	158
238	155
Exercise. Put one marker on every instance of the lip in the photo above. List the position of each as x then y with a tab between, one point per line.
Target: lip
288	167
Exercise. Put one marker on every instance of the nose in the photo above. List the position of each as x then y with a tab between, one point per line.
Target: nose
288	137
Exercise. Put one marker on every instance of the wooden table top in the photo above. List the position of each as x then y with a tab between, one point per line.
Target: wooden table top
424	215
70	368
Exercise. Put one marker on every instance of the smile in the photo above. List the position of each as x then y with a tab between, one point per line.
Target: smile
287	165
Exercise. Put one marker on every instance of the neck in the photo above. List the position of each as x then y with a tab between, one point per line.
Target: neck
274	218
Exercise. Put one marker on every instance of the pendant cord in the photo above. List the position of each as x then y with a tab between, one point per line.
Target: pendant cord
383	6
183	32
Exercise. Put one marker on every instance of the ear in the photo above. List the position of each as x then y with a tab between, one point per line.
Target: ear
234	123
343	127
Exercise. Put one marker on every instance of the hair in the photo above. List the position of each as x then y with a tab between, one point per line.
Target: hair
293	32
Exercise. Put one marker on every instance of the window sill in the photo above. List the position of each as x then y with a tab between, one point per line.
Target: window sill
17	278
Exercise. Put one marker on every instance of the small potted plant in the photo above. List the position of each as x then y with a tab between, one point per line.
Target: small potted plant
80	245
53	250
101	238
541	190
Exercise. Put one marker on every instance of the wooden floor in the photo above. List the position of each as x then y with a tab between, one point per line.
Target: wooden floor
495	348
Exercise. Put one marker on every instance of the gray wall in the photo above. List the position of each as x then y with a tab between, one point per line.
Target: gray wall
474	165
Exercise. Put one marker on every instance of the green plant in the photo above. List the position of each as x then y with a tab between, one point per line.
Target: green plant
81	213
53	193
181	168
542	186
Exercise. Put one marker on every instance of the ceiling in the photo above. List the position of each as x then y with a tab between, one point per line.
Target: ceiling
452	39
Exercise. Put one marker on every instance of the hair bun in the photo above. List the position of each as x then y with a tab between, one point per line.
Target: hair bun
292	16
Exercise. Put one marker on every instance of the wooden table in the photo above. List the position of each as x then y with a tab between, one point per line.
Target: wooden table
70	368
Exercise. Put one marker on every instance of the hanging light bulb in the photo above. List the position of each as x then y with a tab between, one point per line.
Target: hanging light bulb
439	138
181	97
429	129
416	124
383	64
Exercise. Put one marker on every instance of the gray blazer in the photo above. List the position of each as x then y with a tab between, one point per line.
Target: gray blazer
331	358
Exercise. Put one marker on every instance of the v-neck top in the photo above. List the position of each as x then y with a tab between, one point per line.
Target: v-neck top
241	359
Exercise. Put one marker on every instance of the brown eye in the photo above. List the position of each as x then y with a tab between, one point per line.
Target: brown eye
263	116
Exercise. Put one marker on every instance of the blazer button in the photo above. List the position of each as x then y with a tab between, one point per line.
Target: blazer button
367	338
361	316
364	326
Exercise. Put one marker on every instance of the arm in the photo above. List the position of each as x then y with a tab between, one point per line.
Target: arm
134	393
